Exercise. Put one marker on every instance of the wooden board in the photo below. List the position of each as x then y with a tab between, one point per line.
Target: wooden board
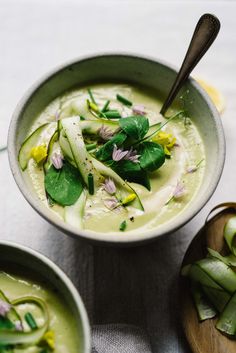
203	337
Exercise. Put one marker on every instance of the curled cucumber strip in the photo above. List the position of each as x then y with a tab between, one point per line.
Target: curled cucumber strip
9	337
230	233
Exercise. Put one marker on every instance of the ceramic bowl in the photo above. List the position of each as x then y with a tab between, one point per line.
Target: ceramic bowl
18	256
120	68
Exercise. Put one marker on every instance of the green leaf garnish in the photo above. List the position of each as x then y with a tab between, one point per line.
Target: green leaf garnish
152	156
64	185
5	323
131	172
135	126
105	151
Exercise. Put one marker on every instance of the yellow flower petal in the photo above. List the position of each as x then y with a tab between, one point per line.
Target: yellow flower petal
49	338
166	140
128	199
39	153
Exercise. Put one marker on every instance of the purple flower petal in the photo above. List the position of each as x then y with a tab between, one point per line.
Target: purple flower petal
57	160
179	191
111	203
18	326
105	133
192	169
57	115
4	308
132	156
109	186
139	109
118	154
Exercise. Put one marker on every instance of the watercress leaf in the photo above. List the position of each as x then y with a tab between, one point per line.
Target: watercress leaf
63	185
106	150
152	156
131	172
6	349
5	323
135	126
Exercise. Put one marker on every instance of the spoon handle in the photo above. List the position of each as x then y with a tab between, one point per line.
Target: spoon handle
204	35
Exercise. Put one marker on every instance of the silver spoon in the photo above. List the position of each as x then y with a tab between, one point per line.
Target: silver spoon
204	35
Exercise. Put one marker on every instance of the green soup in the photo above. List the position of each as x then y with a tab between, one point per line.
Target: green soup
61	335
163	166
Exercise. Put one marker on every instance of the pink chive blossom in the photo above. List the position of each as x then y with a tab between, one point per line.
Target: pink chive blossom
179	191
105	133
18	326
111	203
109	186
139	109
118	154
132	156
57	160
4	308
192	169
57	115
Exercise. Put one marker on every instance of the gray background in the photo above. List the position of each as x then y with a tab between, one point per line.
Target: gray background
126	286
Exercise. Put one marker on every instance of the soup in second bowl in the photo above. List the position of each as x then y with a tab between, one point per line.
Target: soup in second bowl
33	316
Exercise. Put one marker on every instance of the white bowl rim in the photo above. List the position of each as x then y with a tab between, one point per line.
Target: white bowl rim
66	281
131	237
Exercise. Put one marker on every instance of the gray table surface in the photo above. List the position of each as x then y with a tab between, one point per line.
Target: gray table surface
37	35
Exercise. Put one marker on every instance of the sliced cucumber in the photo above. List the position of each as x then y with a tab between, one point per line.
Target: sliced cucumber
230	233
92	126
77	151
13	315
41	135
74	214
214	292
204	308
227	319
52	147
218	297
219	272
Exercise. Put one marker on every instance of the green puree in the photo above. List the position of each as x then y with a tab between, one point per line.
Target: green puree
171	186
62	323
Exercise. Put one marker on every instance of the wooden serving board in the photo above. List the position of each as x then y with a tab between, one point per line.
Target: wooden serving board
203	337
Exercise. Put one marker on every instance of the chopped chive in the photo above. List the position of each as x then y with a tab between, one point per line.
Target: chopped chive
124	100
90	184
123	226
93	108
91	96
112	114
105	106
198	164
82	117
90	146
31	321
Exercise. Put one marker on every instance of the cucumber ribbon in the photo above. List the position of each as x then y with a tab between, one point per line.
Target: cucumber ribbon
213	280
10	337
